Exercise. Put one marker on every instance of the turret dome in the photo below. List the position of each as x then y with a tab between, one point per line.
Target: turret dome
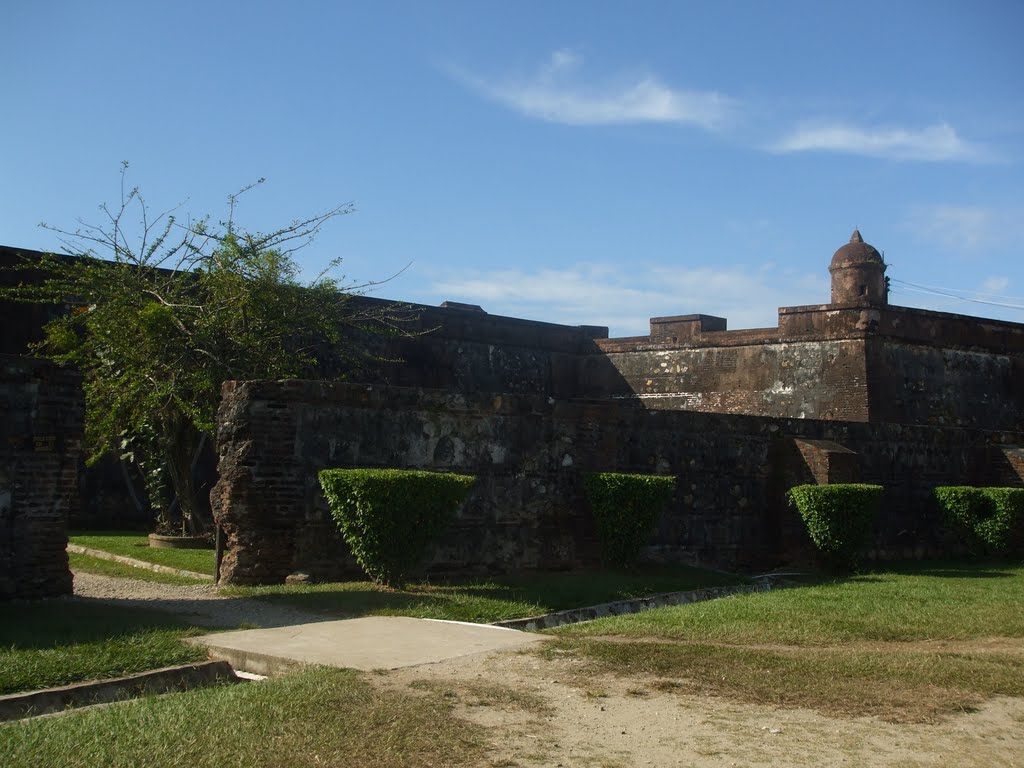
858	274
855	253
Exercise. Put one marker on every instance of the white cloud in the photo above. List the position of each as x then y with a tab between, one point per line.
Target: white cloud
625	299
995	285
935	143
968	228
555	94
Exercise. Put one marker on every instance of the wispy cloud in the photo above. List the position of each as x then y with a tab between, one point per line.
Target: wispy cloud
624	300
995	285
556	93
934	143
969	228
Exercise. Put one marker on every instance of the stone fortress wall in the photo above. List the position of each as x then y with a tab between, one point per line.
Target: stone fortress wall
855	359
855	390
530	452
851	390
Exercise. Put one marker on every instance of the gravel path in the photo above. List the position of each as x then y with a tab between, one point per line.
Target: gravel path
200	604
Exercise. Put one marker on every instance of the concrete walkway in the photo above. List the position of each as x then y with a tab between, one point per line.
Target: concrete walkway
374	642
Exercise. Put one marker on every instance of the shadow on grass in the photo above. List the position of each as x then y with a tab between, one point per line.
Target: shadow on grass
489	600
343	601
958	574
954	569
881	572
53	623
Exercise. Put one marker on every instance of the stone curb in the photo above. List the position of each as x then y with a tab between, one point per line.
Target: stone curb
253	662
15	706
99	553
635	605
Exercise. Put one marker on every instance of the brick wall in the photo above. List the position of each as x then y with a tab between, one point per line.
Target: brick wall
40	444
529	454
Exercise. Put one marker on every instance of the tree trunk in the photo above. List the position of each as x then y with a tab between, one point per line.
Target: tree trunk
181	443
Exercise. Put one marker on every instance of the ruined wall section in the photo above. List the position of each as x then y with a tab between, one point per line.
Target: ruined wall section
41	417
530	453
20	324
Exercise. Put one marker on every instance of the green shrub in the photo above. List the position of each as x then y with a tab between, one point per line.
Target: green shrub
986	516
389	517
626	507
839	519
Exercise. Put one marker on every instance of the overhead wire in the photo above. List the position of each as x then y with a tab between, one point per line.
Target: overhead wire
952	294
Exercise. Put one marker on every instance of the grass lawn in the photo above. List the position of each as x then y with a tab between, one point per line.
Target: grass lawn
136	545
912	643
57	642
936	601
486	601
89	564
312	718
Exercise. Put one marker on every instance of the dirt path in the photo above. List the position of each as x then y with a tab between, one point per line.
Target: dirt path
201	604
544	713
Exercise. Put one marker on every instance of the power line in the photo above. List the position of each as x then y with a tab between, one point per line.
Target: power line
953	290
949	293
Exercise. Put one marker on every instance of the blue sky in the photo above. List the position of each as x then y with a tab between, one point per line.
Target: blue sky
576	162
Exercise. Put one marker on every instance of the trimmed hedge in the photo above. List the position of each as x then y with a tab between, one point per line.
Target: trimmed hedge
839	519
389	517
986	516
626	508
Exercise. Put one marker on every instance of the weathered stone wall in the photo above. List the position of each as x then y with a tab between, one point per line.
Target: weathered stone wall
807	379
921	384
842	362
529	453
40	443
848	363
464	350
275	437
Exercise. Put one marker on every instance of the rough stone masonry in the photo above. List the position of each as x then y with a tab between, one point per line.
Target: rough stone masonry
40	443
851	390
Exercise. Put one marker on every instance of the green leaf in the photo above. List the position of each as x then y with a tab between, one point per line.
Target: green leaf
390	517
626	508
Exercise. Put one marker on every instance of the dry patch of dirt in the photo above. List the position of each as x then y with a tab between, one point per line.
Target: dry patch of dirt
552	713
1005	645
